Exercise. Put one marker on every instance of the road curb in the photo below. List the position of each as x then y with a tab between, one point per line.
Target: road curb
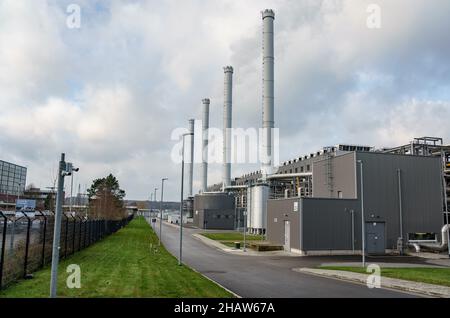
386	282
211	243
226	249
218	284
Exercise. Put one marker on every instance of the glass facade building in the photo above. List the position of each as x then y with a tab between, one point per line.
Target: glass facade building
12	178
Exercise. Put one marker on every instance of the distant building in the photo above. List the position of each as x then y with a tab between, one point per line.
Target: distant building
41	197
12	181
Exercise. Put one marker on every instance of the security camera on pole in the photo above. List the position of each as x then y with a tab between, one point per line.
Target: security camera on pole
72	169
65	169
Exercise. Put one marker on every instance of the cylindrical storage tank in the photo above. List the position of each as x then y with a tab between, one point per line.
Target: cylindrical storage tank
260	195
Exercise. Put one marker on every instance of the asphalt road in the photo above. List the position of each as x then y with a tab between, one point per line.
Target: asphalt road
264	276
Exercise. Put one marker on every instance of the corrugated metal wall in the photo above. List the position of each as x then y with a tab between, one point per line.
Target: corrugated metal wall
325	224
421	192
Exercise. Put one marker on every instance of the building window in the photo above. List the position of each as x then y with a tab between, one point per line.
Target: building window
308	168
302	169
340	196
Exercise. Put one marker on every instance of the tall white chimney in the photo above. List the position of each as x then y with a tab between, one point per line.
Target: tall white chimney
227	123
266	150
205	129
191	157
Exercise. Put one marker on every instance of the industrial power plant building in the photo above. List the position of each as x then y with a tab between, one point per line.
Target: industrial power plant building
335	200
400	196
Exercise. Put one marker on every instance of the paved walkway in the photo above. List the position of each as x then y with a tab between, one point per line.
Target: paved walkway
382	265
386	282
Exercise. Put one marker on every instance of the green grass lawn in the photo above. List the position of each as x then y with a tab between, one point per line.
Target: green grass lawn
128	263
437	276
229	238
232	236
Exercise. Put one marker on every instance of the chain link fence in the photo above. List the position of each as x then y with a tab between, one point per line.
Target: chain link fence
26	241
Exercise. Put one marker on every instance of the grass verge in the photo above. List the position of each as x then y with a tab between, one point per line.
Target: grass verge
436	276
128	263
230	238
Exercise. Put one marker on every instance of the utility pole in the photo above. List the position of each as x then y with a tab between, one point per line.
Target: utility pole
62	172
160	209
181	202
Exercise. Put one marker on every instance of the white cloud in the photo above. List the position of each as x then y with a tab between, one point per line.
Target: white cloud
109	94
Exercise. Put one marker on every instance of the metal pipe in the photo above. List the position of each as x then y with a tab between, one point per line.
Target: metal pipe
363	225
205	133
268	17
191	158
352	212
444	188
400	207
227	124
289	175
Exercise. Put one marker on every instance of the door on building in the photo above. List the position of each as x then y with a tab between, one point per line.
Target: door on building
287	236
375	238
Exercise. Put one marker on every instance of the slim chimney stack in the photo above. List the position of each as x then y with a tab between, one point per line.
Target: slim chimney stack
206	103
268	17
227	124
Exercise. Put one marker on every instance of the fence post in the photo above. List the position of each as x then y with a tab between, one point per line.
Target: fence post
90	232
2	260
74	233
95	231
27	245
65	235
79	234
43	238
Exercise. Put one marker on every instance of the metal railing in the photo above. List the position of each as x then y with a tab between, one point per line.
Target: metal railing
26	241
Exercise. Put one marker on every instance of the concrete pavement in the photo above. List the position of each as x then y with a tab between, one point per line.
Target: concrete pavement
263	277
392	283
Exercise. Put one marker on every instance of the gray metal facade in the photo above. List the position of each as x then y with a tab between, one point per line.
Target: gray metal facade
326	223
214	211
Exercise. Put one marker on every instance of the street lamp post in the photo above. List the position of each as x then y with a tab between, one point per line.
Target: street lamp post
160	209
363	230
65	169
181	202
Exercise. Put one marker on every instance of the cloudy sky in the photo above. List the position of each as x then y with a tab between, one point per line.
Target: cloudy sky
110	93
